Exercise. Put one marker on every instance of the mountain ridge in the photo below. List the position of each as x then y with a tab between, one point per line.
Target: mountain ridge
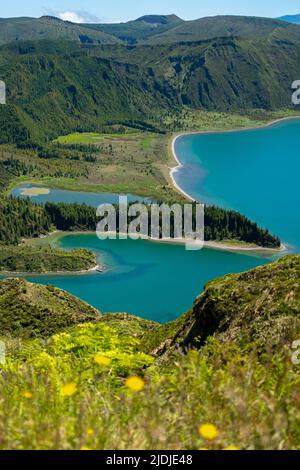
120	84
152	29
50	28
159	18
259	309
295	19
223	63
225	25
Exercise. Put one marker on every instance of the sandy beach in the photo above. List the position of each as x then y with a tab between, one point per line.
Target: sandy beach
179	165
213	245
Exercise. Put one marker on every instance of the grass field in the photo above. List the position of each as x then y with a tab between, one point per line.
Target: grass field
88	137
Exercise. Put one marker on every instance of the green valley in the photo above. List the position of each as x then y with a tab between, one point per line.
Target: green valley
96	85
99	110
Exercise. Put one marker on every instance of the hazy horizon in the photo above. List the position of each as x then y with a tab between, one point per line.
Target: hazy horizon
118	11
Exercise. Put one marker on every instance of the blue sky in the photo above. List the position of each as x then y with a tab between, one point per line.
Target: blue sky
122	10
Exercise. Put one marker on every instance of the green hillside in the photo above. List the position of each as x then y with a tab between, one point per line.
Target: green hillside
67	87
294	19
119	382
77	90
140	29
259	308
50	28
154	29
228	26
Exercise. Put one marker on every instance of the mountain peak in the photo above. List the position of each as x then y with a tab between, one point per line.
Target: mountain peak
50	18
159	19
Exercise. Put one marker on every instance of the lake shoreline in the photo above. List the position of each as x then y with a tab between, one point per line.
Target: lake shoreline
99	268
226	245
54	238
179	164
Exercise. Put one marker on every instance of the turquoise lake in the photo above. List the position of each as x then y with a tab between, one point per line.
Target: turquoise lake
255	172
156	281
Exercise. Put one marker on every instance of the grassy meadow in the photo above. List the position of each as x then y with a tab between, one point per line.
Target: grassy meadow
92	387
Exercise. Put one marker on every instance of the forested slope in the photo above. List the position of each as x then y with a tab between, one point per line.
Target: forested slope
68	86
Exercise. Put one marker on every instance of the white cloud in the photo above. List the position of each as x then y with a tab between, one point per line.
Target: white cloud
71	16
75	16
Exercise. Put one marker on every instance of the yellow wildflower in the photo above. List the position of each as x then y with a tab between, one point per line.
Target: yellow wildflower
102	360
85	448
27	394
136	384
208	431
69	389
232	448
90	431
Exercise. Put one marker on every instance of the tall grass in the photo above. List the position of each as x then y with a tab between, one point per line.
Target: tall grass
252	401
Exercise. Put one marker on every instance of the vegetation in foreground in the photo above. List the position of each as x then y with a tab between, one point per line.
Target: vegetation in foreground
120	382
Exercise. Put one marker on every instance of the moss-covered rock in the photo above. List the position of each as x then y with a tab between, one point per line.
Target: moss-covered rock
260	306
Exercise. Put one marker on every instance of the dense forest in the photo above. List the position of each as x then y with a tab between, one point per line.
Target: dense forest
220	224
20	218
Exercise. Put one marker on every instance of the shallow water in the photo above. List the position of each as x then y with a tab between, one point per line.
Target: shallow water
70	197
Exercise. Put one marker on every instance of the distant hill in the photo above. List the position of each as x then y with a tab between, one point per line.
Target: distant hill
50	28
224	26
224	63
157	20
140	29
295	19
150	29
64	88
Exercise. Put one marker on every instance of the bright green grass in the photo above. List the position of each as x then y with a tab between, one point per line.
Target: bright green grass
81	138
196	120
89	137
250	399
